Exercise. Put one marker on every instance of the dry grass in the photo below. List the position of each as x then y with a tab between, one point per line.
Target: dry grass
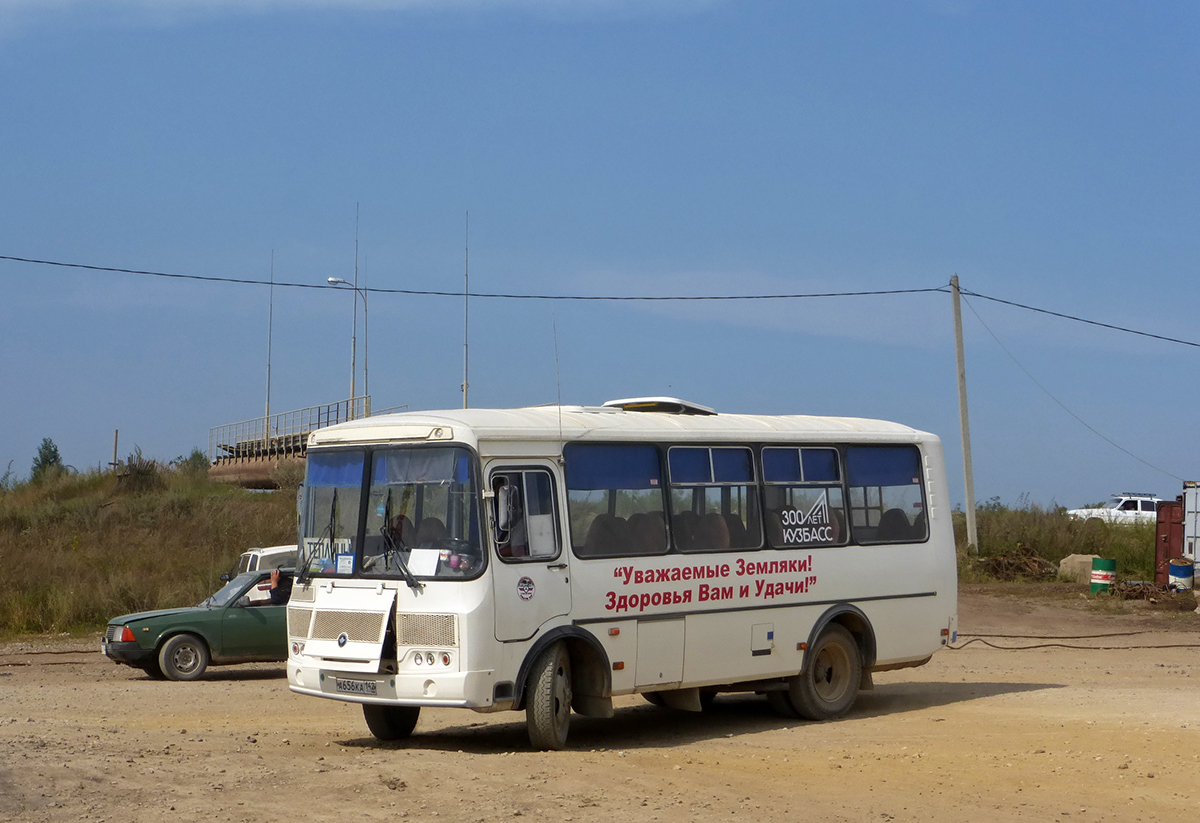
80	549
1048	533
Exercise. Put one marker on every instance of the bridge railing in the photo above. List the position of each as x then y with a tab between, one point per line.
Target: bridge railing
281	435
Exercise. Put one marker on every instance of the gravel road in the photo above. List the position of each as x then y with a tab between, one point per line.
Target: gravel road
1102	728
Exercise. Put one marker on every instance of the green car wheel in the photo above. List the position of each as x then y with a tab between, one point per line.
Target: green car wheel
183	657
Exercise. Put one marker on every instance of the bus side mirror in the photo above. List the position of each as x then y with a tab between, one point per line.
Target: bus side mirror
506	507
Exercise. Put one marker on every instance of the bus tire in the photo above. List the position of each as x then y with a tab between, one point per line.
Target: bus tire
390	722
828	686
183	657
654	699
548	700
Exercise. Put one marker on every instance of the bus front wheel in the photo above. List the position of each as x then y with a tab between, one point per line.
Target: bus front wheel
390	722
828	686
548	699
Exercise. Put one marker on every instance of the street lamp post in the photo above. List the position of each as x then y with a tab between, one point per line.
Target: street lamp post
338	281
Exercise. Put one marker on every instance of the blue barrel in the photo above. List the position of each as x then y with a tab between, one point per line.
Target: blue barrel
1180	574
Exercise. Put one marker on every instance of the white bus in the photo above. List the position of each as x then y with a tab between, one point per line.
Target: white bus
551	558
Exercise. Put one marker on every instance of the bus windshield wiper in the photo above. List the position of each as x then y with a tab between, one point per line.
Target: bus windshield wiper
306	567
392	548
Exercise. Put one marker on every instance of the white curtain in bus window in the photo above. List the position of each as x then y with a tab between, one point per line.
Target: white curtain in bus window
803	497
887	504
422	498
615	500
714	500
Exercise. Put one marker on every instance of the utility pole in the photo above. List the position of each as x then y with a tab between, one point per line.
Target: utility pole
968	475
466	297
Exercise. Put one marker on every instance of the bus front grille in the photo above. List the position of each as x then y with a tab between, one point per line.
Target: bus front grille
298	621
361	627
426	630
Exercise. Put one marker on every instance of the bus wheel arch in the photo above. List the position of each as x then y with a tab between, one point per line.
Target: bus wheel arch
837	664
856	622
591	674
827	686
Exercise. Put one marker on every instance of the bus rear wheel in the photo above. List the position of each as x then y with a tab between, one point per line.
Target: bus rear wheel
390	722
548	699
828	686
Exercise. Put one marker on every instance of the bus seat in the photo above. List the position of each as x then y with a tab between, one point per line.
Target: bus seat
739	538
774	528
685	525
608	534
402	530
918	527
430	530
712	533
647	532
655	535
893	526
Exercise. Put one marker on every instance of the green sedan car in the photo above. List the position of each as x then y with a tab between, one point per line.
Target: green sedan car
244	622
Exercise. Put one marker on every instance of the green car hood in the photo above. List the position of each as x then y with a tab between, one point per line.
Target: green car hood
126	619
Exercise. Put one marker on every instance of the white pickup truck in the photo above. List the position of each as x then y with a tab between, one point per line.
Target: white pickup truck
1128	507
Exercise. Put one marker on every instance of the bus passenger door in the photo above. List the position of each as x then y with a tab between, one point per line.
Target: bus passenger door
530	572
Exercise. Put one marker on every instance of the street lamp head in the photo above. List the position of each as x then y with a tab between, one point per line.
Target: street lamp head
337	281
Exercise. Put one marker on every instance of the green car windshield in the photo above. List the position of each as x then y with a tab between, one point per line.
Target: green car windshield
417	520
230	591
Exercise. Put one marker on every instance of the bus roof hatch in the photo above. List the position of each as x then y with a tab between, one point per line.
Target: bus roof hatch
665	405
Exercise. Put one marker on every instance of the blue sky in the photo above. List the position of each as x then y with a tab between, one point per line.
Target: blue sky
1046	153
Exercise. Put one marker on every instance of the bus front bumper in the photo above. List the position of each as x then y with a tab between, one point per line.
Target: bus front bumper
471	690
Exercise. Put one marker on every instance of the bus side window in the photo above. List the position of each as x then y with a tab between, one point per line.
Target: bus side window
887	502
615	499
803	493
714	498
524	516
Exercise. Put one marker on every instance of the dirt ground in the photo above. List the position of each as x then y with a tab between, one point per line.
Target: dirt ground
1106	732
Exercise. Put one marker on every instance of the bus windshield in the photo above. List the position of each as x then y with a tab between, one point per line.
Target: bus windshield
420	521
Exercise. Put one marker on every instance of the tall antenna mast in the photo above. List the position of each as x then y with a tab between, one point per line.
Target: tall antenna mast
354	323
557	376
366	345
466	298
270	324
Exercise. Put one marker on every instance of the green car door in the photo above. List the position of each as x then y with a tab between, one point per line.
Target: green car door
258	631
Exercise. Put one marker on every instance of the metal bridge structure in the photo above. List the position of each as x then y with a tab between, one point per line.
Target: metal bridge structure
253	453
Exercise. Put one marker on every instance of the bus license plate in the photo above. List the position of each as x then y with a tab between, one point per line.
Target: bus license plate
354	686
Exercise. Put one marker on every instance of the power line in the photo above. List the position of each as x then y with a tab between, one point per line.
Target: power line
1082	319
1062	405
606	298
503	296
